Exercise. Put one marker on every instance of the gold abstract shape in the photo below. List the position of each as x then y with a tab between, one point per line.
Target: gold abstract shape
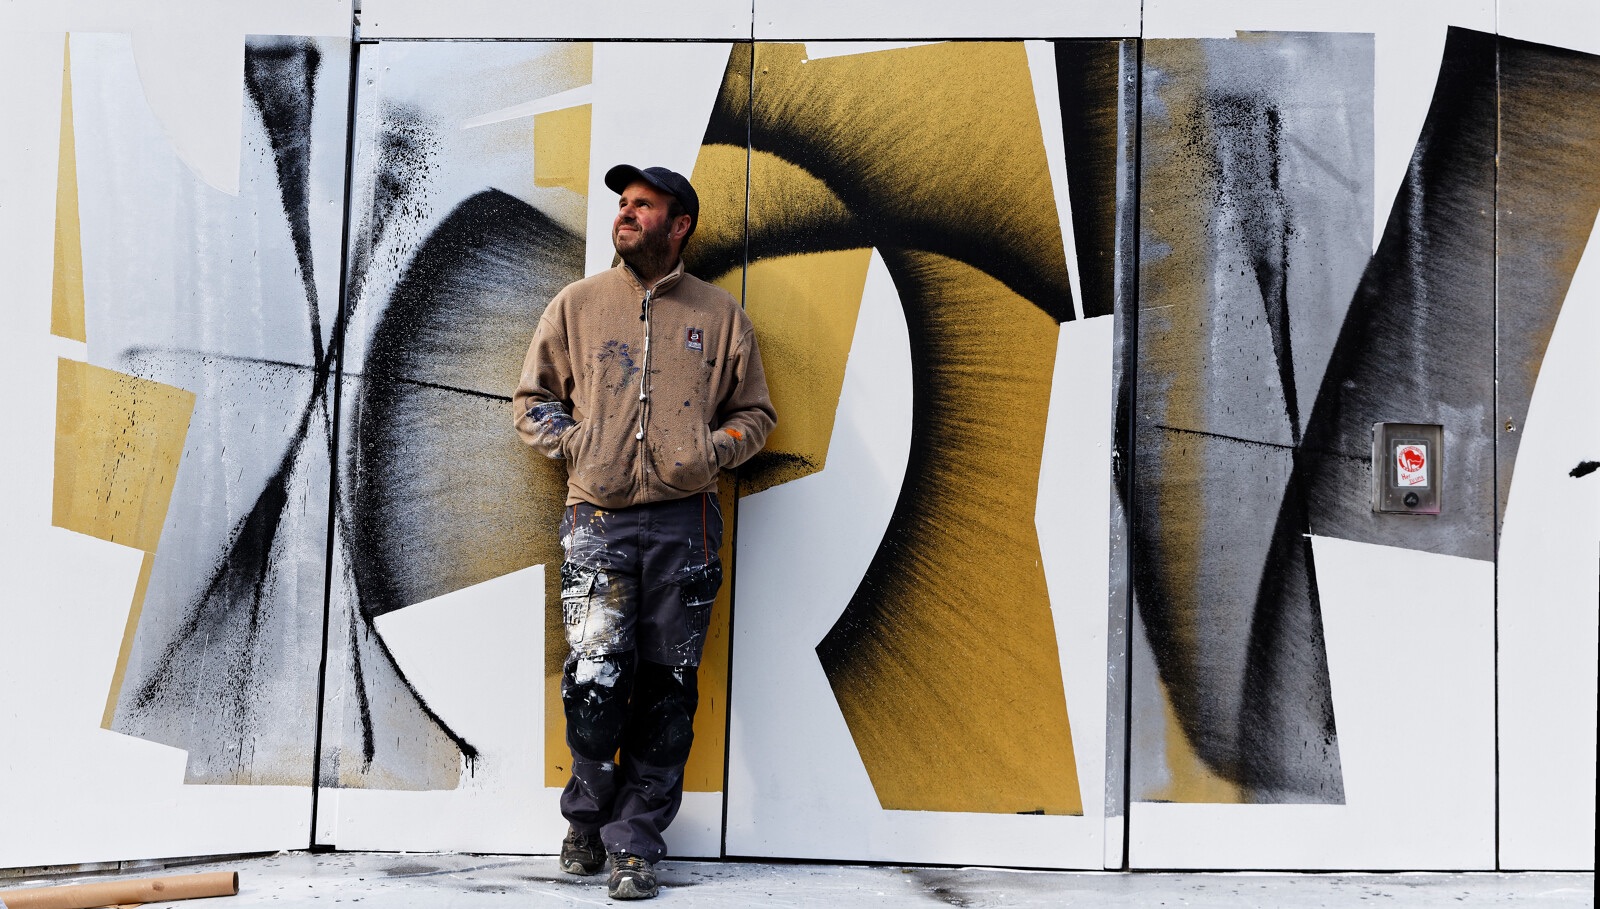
561	148
134	611
707	759
936	147
945	662
1189	780
945	666
118	442
721	180
66	294
805	308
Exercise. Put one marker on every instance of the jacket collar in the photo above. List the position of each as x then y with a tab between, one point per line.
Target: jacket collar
667	280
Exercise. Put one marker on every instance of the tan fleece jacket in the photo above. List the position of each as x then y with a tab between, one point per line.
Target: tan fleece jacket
646	394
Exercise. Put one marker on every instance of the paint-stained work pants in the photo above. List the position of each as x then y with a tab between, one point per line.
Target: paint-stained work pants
636	593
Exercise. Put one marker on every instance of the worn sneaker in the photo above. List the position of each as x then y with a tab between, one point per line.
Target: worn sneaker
581	853
632	878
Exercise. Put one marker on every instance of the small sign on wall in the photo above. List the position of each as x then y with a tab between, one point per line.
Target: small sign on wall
1407	463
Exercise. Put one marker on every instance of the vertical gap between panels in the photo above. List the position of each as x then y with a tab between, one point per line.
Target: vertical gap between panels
1130	376
1494	428
733	569
335	365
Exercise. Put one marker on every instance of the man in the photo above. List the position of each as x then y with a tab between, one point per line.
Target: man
648	383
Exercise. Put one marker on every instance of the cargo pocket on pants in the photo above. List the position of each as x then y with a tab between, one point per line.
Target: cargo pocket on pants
699	590
577	597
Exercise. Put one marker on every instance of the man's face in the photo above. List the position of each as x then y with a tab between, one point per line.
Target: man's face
643	228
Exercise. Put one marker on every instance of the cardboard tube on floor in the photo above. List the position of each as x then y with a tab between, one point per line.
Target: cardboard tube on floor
113	893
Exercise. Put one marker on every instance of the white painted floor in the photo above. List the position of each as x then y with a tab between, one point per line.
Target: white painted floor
302	880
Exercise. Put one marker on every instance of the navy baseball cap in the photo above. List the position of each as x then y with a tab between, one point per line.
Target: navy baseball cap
670	182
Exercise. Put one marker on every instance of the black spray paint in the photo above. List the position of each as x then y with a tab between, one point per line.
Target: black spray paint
434	499
1418	343
1226	273
405	159
280	77
1090	92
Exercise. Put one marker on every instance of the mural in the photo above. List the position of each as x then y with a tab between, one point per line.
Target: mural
1255	175
445	275
977	270
188	288
904	207
983	281
470	201
1270	344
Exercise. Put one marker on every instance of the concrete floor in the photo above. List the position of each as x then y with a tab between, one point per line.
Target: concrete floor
400	881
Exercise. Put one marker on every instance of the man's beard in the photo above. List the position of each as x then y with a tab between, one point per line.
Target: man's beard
651	255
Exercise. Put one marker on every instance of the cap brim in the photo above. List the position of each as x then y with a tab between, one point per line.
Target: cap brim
618	178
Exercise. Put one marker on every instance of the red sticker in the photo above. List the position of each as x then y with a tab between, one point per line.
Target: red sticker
1411	463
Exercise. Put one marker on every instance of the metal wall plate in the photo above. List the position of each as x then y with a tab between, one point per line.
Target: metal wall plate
1407	467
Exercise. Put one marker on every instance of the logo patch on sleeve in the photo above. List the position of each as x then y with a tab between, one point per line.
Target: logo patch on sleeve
695	340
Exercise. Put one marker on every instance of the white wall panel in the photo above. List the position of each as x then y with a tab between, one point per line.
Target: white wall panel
467	653
1549	591
714	19
1411	654
1549	549
793	20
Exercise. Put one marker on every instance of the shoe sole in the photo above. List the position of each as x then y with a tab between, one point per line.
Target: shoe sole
579	869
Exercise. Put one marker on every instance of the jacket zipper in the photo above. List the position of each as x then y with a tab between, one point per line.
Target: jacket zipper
644	372
644	391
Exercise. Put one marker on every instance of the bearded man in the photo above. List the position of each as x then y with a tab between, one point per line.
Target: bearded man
647	381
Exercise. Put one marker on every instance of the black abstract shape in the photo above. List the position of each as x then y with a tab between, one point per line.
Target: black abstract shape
1513	133
437	493
230	611
223	649
1584	468
1247	131
1089	77
1237	644
1419	332
280	75
880	161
